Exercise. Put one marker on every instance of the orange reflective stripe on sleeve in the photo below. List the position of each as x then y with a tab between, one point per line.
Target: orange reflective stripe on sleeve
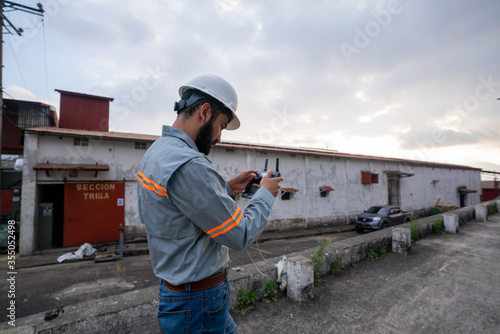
227	225
151	185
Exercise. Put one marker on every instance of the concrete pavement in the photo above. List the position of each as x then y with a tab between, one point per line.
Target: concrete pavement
448	284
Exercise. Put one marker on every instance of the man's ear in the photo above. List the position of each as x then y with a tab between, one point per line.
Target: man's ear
205	112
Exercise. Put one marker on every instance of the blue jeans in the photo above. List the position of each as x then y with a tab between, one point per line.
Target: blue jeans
205	311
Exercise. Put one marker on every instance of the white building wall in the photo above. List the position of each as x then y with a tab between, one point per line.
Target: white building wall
121	156
305	172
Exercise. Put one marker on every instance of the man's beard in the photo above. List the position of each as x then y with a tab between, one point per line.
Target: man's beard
204	139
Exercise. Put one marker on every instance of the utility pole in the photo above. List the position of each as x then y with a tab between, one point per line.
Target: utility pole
8	25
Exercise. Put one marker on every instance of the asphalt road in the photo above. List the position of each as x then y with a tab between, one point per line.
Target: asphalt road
44	288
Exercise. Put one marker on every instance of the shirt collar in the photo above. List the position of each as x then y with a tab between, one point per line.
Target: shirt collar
168	131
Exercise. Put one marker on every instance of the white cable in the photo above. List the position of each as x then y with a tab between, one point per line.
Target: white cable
257	243
255	264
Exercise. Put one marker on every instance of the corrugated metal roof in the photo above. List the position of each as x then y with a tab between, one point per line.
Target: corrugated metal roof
336	154
229	145
326	188
28	102
93	134
84	95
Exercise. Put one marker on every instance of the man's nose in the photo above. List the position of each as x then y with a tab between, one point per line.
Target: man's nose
217	139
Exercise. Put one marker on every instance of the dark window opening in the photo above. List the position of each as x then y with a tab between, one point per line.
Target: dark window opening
324	190
77	141
286	196
287	193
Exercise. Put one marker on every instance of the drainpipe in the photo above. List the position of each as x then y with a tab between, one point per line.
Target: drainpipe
306	169
346	193
249	161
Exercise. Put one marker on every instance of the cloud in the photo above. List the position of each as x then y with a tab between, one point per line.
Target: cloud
294	84
434	138
385	110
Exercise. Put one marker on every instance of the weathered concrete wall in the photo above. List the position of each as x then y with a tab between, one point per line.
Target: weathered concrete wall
28	197
305	172
130	312
121	156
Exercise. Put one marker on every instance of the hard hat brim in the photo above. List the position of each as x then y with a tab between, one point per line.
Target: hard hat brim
234	124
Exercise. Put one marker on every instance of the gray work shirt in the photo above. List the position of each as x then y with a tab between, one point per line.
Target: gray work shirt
189	215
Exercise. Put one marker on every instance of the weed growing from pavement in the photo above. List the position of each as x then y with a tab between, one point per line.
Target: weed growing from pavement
354	264
493	209
271	293
413	228
318	258
382	251
372	255
335	267
414	231
462	222
246	301
437	227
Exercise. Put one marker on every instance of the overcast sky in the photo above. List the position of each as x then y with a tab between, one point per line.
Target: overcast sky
407	79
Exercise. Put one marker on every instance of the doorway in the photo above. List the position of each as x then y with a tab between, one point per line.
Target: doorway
393	190
53	193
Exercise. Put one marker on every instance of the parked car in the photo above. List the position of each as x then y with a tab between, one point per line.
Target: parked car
379	217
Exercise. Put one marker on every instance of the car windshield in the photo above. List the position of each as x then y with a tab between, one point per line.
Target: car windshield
377	209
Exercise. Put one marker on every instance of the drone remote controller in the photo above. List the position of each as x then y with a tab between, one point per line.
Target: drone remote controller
254	183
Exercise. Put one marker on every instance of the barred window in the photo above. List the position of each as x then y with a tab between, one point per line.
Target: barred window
80	141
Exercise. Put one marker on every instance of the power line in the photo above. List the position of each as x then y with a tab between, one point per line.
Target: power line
18	65
9	5
45	58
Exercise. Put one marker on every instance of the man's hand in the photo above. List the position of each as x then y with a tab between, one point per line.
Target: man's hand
271	184
240	181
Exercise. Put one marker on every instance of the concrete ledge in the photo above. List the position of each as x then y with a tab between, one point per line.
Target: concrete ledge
124	313
300	279
135	311
481	212
401	240
450	222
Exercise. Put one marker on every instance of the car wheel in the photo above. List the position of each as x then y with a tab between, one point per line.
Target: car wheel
385	225
359	230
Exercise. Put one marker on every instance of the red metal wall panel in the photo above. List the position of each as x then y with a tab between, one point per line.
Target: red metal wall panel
77	112
11	135
6	201
93	212
489	194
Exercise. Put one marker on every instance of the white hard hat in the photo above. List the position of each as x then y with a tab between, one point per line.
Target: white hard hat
219	89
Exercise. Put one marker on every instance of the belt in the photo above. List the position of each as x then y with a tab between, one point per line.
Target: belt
204	284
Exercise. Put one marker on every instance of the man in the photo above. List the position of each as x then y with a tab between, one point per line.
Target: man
189	214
